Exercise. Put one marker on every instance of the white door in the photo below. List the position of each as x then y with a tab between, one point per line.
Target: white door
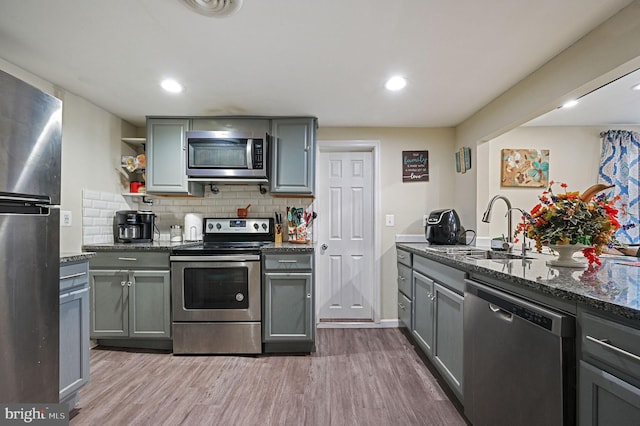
345	269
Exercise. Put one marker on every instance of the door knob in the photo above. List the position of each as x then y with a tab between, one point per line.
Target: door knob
324	247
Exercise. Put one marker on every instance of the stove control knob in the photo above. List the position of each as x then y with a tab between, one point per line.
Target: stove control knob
239	297
218	226
255	225
264	226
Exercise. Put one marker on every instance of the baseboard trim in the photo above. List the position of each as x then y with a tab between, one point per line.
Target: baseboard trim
388	323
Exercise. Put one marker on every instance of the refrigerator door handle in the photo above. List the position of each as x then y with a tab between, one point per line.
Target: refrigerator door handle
24	199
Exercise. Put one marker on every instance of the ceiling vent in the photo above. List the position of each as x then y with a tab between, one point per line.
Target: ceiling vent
215	8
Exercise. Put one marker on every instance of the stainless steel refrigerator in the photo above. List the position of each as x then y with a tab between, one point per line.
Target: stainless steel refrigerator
30	145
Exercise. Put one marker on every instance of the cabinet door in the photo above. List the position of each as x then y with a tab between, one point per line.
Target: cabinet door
605	399
293	155
448	334
74	340
288	308
422	323
166	156
109	308
150	304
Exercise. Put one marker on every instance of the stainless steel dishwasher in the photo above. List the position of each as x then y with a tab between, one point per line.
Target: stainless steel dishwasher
519	361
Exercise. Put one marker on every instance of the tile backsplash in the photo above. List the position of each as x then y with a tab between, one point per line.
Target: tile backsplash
99	208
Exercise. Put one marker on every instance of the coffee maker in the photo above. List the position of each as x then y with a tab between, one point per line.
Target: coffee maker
132	226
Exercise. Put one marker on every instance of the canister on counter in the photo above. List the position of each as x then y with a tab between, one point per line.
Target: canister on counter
176	233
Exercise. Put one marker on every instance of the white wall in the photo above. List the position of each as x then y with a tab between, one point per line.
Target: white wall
408	202
606	53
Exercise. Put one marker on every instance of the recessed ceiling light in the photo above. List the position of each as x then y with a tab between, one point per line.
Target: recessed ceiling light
636	87
396	83
171	86
570	104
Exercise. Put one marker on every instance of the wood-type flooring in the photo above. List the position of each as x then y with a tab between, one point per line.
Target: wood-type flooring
356	377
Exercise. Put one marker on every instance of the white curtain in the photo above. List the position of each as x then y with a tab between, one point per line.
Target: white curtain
619	166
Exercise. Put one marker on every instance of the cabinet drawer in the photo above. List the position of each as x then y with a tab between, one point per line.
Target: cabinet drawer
73	275
615	344
404	257
446	275
289	262
404	311
404	279
130	260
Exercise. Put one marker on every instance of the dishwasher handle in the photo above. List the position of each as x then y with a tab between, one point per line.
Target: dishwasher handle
553	322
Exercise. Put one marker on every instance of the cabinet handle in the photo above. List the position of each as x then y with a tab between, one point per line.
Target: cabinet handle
287	261
401	306
309	296
608	345
129	283
130	259
79	274
400	257
123	283
401	278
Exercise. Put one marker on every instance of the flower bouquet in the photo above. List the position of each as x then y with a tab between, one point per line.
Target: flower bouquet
573	218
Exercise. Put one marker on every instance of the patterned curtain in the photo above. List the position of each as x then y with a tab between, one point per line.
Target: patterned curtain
619	166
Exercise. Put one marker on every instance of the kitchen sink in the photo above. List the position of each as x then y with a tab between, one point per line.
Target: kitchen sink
488	254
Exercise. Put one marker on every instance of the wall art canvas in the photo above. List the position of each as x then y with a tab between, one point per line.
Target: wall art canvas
525	167
415	166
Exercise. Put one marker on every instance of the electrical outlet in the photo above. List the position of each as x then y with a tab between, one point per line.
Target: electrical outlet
389	220
65	218
424	219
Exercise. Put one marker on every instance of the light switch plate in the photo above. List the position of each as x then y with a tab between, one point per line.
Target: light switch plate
65	218
389	220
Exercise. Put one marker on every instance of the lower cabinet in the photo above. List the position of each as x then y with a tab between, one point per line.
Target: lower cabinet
609	372
74	330
605	399
130	304
437	317
448	335
423	320
288	315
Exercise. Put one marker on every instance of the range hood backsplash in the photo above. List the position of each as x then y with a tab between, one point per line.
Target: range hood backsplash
171	210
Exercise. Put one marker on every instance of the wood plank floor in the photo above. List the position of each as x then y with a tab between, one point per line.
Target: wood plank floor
356	377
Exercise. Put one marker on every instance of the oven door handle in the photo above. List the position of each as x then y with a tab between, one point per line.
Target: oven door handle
216	258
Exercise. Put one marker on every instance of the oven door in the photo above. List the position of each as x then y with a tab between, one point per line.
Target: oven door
215	288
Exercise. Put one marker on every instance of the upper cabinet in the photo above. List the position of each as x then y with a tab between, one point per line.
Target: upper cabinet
293	155
255	127
166	158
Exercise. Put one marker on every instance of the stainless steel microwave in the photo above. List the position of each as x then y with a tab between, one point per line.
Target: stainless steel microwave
226	155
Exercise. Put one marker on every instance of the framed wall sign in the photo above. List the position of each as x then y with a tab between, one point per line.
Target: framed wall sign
415	166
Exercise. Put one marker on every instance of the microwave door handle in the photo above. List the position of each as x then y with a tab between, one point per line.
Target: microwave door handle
249	154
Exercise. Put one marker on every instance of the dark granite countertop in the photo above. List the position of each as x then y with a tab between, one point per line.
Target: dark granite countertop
611	287
284	247
154	246
75	257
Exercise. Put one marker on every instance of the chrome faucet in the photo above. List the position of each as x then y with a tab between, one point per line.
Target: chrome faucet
524	233
486	217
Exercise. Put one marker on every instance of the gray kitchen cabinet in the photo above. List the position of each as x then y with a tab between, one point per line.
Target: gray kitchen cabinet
166	158
609	372
127	302
293	155
448	335
405	295
288	314
255	127
437	302
423	309
74	330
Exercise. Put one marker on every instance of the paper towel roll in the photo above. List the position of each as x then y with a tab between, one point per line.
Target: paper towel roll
192	227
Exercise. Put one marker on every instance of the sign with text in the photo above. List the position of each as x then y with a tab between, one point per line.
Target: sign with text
415	166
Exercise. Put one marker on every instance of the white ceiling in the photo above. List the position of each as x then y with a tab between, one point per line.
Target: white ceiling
614	104
325	58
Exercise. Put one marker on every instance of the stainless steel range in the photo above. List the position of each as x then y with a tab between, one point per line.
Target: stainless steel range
216	290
